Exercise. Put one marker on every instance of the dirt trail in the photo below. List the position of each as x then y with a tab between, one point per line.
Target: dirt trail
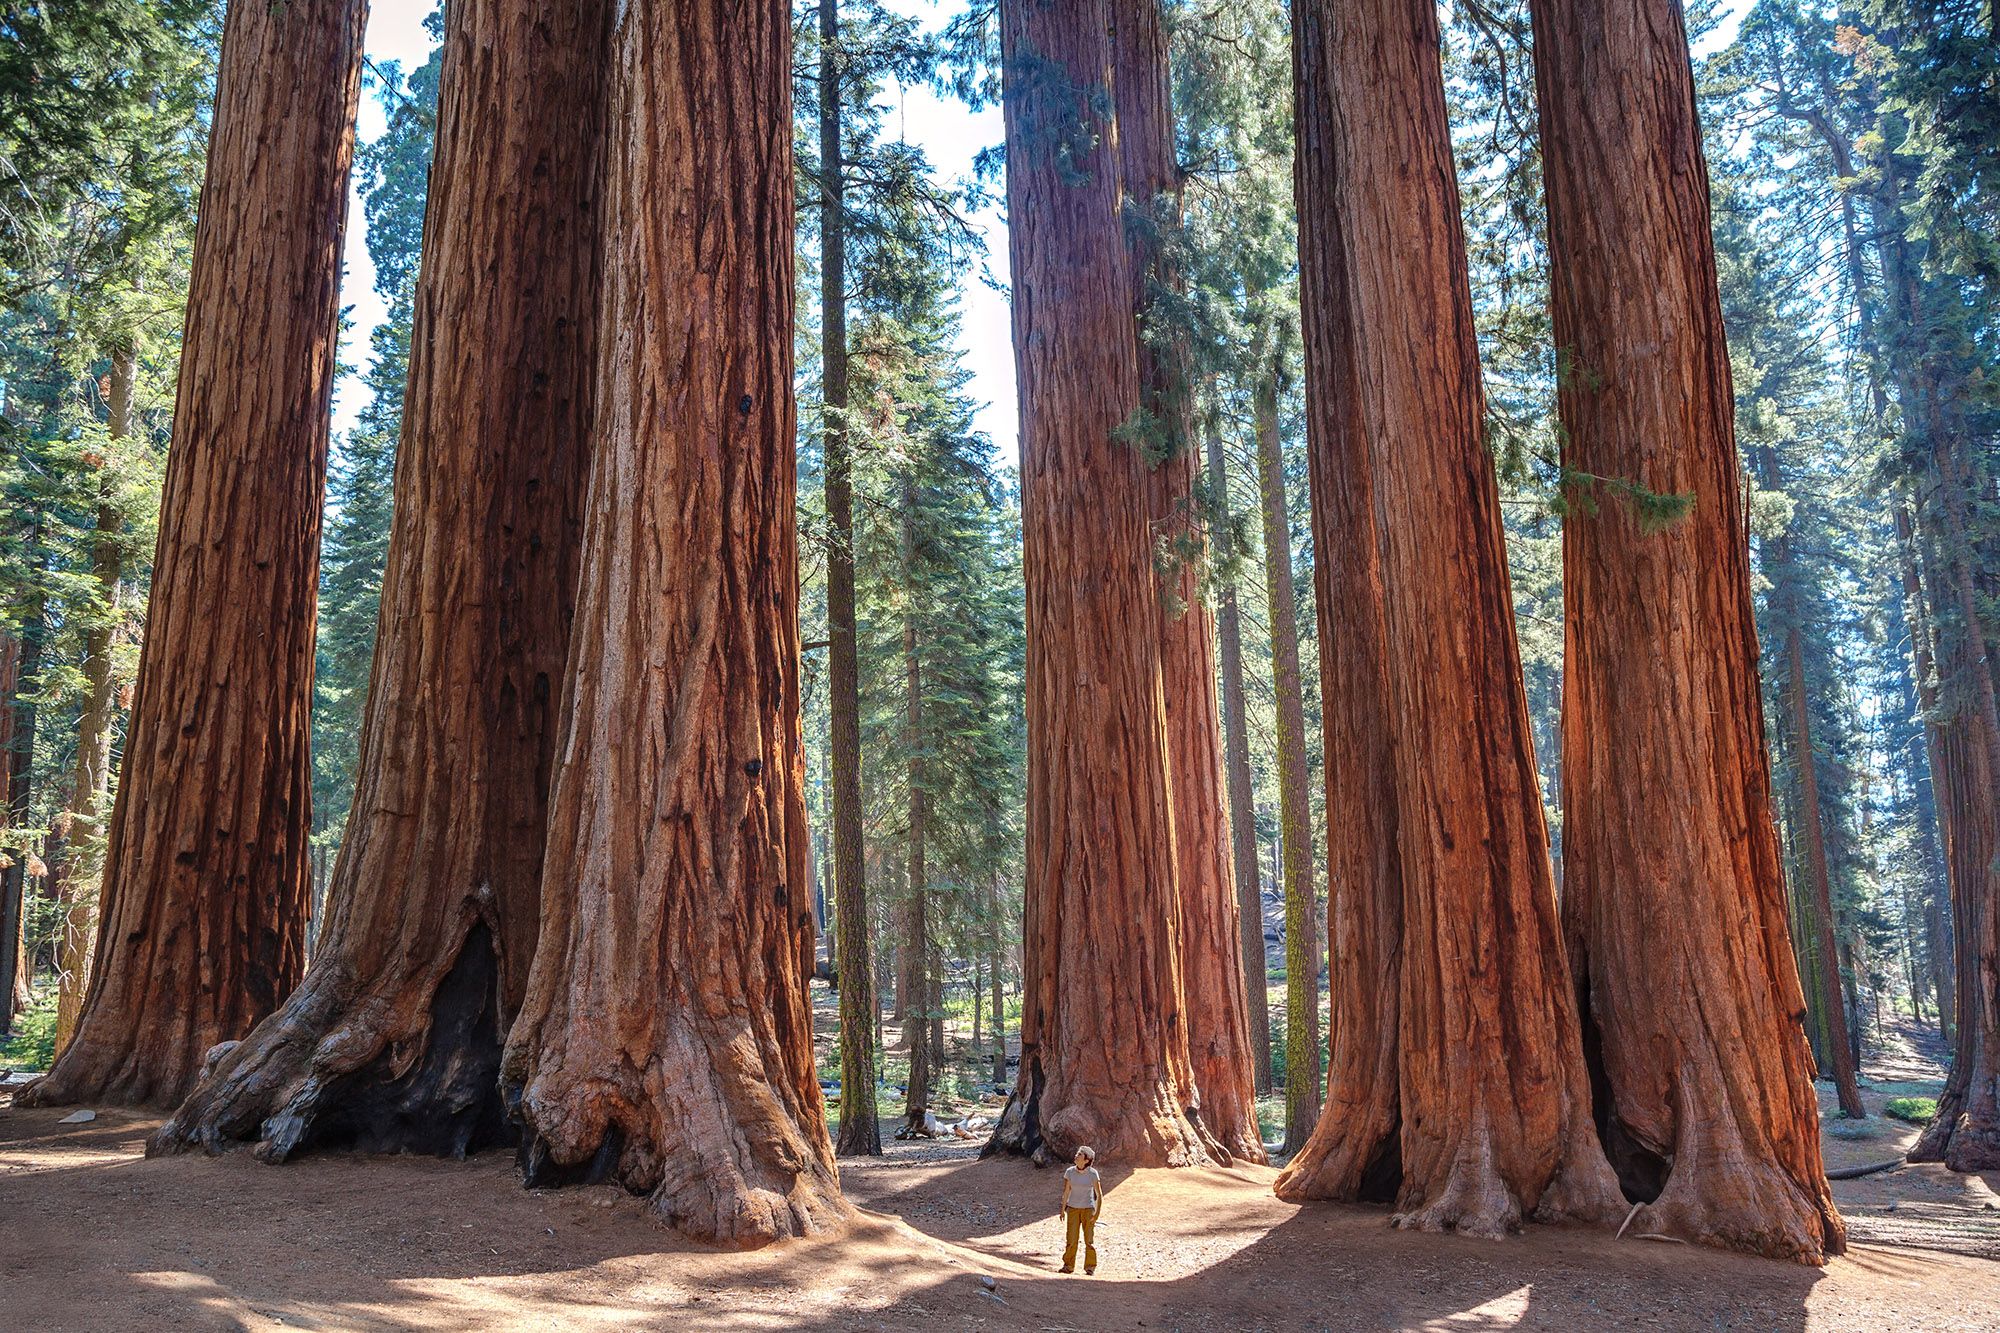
99	1238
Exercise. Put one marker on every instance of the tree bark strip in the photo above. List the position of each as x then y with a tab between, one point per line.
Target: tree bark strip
392	1042
1104	1028
1211	952
206	881
90	775
1392	361
860	1134
666	1038
1677	923
1242	802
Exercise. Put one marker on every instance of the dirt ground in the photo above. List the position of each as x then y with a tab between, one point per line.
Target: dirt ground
97	1237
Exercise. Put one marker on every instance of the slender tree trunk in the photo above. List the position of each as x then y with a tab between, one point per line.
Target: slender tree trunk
1242	806
24	669
860	1133
666	1038
999	997
1677	924
924	998
207	885
1104	1028
1395	428
1937	837
392	1042
1303	1087
90	776
1218	1030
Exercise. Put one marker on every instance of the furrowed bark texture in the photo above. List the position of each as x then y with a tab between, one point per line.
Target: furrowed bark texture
860	1133
392	1041
666	1038
1676	916
1965	1135
206	894
1242	803
1211	954
1489	1079
1104	1033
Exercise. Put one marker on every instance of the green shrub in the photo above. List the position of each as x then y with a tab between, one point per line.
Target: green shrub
33	1043
1916	1110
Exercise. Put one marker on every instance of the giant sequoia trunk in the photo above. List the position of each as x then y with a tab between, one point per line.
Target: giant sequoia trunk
206	878
1211	955
1242	804
1965	1135
1104	1028
1468	1051
860	1133
1676	916
392	1041
666	1038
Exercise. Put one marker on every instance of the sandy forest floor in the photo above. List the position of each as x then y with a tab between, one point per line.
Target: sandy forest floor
96	1237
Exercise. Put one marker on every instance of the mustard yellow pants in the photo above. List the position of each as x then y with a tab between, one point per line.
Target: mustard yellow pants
1085	1221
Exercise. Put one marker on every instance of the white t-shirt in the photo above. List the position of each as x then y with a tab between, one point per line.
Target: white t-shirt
1082	1186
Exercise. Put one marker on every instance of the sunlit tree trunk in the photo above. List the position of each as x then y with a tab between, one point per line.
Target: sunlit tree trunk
1303	1087
1104	1027
392	1042
90	773
1676	917
860	1134
1490	1104
206	887
666	1039
1242	802
1210	950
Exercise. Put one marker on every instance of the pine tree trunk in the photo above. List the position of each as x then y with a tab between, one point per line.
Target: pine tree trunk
90	775
24	669
392	1041
1104	1027
1918	618
860	1134
1218	1032
1242	804
1303	1087
666	1038
924	997
206	888
999	997
1677	923
1396	427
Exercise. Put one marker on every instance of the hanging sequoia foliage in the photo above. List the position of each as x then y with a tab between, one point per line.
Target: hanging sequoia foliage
666	1038
1104	1025
206	893
1458	1083
392	1042
1677	930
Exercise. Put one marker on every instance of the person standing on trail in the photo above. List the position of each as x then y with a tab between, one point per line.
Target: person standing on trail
1082	1199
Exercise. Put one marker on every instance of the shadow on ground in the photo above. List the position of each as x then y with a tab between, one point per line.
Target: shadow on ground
99	1238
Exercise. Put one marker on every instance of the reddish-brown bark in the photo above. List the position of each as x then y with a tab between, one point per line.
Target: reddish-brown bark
666	1038
1211	955
1965	1135
206	892
1676	916
1490	1105
392	1041
1104	1035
